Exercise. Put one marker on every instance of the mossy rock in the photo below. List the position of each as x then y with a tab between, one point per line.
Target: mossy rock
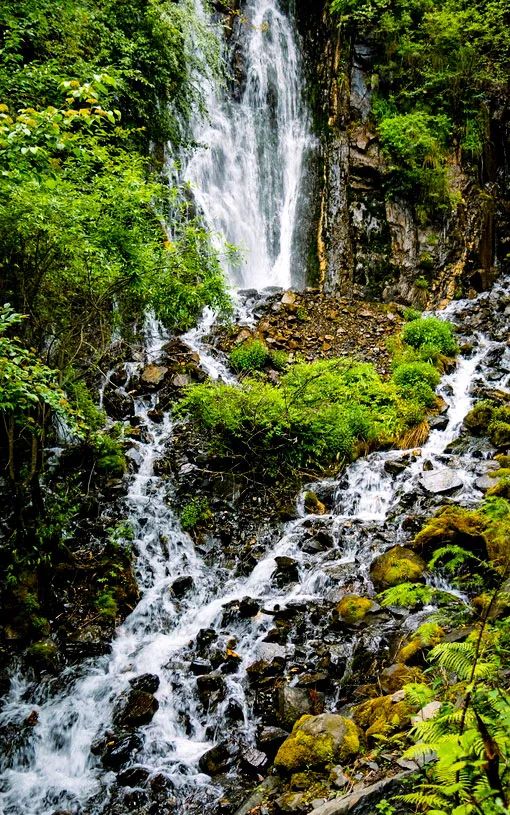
397	565
394	677
499	433
426	636
312	504
43	654
478	419
381	716
318	741
352	608
456	526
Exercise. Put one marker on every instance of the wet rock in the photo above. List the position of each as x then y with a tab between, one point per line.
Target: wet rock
438	422
292	704
182	586
234	711
199	667
248	607
149	683
133	776
205	637
270	739
286	571
254	761
153	375
116	750
312	504
441	482
397	565
135	708
217	759
316	741
211	689
395	466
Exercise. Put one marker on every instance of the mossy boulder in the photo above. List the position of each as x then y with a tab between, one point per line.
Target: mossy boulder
318	741
381	716
478	419
43	654
499	433
394	677
397	565
352	608
313	505
426	636
453	525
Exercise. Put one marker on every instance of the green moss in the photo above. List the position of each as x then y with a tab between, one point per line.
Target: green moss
353	608
317	741
479	417
426	636
499	433
452	525
250	356
397	565
382	716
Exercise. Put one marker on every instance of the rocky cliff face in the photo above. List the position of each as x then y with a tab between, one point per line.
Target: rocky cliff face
369	241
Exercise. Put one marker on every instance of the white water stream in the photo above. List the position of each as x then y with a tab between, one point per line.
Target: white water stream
246	176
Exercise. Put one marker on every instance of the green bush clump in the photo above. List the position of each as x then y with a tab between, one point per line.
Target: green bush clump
110	457
255	356
431	335
416	381
414	373
250	356
411	314
196	512
317	414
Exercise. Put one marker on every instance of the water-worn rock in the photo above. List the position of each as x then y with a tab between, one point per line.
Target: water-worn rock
270	739
292	704
441	482
135	708
211	688
153	375
316	741
217	759
149	683
397	565
116	749
182	586
361	800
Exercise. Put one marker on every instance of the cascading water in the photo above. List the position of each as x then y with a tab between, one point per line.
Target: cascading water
246	176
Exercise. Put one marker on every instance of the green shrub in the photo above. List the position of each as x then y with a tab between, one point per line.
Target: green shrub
110	457
411	314
415	372
250	356
196	512
107	605
430	333
314	416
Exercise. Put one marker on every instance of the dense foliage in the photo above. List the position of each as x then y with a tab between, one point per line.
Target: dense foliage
440	69
318	413
93	234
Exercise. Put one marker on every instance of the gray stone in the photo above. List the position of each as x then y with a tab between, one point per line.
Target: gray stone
154	374
442	481
341	806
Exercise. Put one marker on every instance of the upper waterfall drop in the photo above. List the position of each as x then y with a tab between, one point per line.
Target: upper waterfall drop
246	174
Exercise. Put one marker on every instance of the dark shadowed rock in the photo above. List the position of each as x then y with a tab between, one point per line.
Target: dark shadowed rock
182	586
135	708
149	683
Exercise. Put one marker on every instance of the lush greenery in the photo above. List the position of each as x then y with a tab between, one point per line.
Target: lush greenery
254	355
464	747
318	413
440	69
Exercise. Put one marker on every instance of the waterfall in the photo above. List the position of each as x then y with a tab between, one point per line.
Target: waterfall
246	173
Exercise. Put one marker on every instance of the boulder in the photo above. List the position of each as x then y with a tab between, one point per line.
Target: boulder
182	586
134	708
286	570
316	741
352	608
441	482
397	565
254	761
217	759
292	704
455	526
270	739
149	683
211	688
153	375
116	750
